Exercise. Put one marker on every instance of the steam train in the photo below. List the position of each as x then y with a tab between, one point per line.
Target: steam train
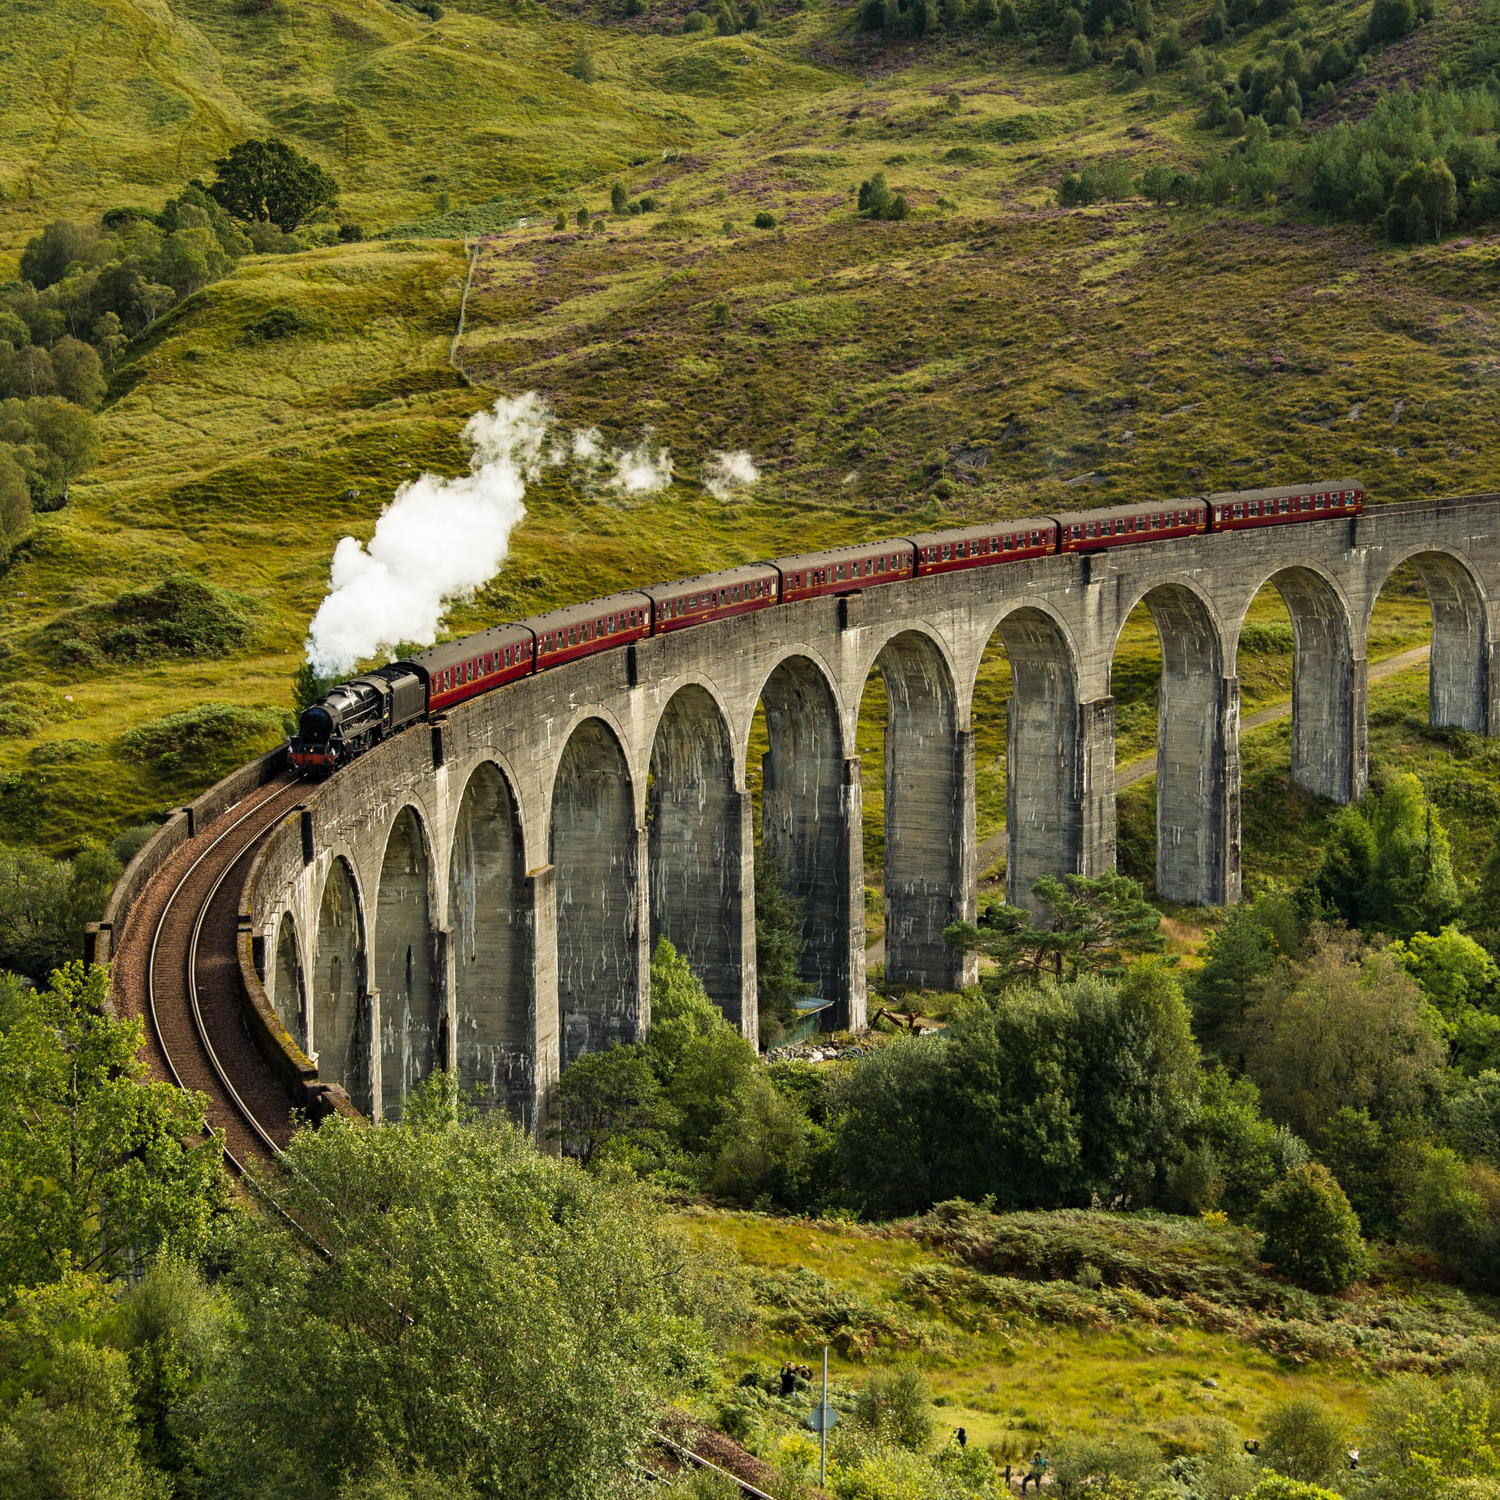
366	710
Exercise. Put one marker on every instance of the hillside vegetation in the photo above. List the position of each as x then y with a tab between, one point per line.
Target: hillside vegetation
990	353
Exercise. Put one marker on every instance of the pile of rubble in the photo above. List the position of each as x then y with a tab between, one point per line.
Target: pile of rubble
820	1049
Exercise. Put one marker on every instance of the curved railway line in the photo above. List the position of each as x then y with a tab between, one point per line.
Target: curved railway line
178	969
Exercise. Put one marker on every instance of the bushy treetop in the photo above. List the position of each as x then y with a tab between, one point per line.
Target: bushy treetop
270	181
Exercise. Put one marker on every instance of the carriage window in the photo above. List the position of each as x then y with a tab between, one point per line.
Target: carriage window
947	552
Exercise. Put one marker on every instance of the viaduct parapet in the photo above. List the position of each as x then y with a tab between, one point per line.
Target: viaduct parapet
482	892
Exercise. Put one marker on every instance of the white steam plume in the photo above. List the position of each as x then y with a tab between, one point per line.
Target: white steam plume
437	541
441	539
639	471
724	473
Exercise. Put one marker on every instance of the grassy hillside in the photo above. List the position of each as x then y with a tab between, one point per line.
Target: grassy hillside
992	354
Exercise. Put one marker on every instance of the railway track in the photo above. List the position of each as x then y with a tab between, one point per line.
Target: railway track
178	969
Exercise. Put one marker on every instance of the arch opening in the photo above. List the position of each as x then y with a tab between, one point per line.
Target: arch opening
1433	597
490	928
699	873
1171	694
595	855
1045	784
412	1041
918	837
340	1042
810	812
288	993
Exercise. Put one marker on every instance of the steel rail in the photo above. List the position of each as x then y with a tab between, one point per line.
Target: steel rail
246	1113
192	982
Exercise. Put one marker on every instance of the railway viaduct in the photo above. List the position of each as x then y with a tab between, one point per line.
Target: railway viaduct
482	892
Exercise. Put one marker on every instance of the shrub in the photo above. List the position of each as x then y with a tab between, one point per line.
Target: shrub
582	66
764	220
1080	1463
351	233
45	904
619	199
897	1407
1278	1488
203	742
695	20
1304	1441
1310	1234
808	1308
183	615
279	323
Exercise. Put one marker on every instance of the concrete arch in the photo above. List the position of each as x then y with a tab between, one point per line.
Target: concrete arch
288	991
407	967
626	742
1044	782
491	937
929	767
810	824
596	858
697	850
1458	684
340	1040
1197	756
1328	684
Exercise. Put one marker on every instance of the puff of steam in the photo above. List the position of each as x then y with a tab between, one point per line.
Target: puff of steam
437	541
588	445
724	473
639	470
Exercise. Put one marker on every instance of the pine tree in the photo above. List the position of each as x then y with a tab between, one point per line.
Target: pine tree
778	946
1238	960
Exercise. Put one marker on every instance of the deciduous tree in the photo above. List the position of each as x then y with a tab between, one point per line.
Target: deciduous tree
1345	1026
270	181
1311	1235
455	1300
99	1165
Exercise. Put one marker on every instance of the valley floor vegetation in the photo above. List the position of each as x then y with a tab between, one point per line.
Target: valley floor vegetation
1117	1216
